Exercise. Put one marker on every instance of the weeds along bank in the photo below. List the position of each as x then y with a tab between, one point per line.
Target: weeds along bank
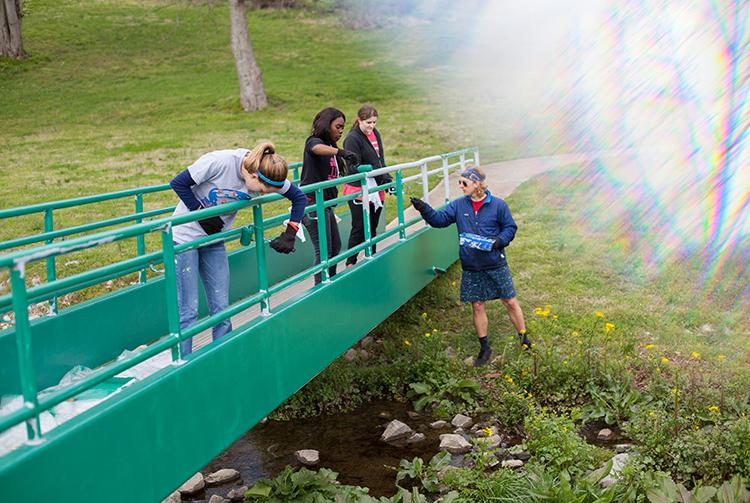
670	374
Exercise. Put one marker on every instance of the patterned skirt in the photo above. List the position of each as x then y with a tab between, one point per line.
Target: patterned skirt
487	285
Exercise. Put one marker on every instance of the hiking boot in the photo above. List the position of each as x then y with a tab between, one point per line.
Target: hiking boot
483	357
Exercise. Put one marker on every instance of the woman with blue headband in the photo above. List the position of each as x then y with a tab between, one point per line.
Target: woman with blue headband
220	177
485	227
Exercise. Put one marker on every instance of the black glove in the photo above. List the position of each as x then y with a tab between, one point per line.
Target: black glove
418	204
285	242
349	156
496	245
391	190
212	225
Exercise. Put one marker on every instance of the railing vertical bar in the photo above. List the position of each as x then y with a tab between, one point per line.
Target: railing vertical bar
49	226
141	239
366	216
170	288
322	237
463	160
400	205
446	180
476	156
260	251
25	352
425	184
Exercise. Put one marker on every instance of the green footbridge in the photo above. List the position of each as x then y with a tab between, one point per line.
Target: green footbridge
145	436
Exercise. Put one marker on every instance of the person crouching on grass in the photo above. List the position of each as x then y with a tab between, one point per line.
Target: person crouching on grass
220	177
485	227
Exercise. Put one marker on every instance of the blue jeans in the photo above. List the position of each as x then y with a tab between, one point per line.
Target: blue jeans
212	264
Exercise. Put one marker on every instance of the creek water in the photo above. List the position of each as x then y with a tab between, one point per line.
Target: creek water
348	443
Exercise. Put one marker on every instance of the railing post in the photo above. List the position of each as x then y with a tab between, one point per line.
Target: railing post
140	239
446	180
366	215
463	160
24	349
260	255
425	184
322	237
170	288
51	269
476	157
400	205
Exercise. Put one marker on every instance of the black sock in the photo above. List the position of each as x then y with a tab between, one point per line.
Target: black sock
524	336
483	343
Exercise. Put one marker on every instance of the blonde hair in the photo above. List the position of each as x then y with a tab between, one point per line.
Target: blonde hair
483	184
264	159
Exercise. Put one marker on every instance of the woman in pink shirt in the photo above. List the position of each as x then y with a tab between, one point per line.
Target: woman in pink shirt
364	140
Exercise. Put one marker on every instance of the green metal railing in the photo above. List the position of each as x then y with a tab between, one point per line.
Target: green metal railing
22	296
51	234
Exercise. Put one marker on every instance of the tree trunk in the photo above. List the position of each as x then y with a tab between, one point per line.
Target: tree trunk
252	95
11	44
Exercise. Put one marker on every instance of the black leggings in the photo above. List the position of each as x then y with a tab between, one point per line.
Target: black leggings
333	238
357	235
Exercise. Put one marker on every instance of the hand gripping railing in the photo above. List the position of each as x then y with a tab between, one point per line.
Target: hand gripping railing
50	234
21	296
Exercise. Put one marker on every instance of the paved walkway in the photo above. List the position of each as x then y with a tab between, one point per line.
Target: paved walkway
502	177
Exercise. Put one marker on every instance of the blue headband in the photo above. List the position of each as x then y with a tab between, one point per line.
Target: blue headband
269	181
473	175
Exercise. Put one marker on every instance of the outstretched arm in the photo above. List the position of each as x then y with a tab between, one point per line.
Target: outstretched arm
436	218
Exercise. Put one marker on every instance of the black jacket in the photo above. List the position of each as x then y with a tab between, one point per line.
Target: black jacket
357	142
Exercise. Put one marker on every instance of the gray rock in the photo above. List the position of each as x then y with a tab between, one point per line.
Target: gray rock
215	498
173	498
366	341
461	421
222	477
308	457
450	353
416	438
459	431
620	448
193	484
237	494
439	424
396	430
604	434
412	414
522	456
512	463
469	361
350	355
364	355
455	444
384	415
618	463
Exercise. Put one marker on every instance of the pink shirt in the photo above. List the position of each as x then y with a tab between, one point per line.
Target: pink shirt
351	189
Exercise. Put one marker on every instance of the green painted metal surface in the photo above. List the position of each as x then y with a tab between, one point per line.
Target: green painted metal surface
67	339
141	443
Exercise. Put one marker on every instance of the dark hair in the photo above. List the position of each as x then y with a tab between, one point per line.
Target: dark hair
321	127
364	113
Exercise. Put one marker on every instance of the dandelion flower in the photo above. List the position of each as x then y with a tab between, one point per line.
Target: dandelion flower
650	346
453	284
714	409
427	334
508	378
721	358
574	333
407	343
434	330
547	307
608	327
599	314
487	431
554	316
695	355
675	392
424	316
658	370
664	360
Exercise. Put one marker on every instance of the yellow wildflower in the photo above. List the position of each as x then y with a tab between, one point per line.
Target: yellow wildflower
664	360
434	330
695	355
721	358
658	370
508	378
554	316
547	307
675	392
565	362
453	284
575	333
599	314
533	345
407	343
650	346
487	431
427	334
608	327
713	409
651	413
424	316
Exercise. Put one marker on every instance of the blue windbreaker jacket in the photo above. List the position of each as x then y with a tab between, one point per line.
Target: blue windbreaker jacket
492	220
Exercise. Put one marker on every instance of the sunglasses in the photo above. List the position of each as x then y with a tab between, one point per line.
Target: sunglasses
463	183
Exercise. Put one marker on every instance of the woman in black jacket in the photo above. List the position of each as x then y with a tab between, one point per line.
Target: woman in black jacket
323	160
364	140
